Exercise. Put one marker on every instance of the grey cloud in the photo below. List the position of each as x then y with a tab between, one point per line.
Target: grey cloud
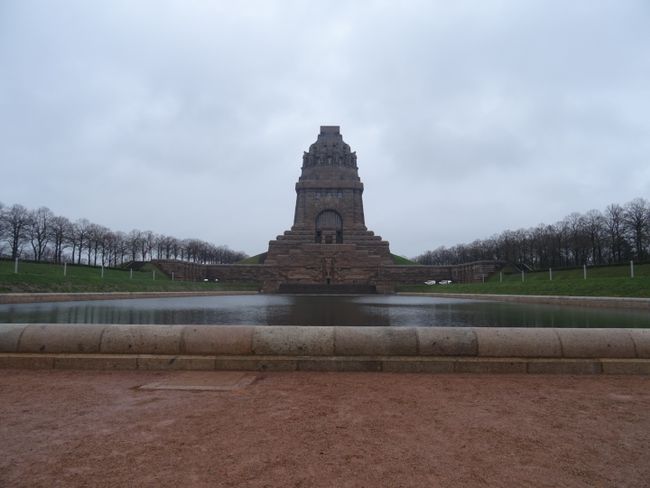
191	118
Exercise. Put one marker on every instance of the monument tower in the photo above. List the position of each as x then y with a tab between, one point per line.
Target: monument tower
328	244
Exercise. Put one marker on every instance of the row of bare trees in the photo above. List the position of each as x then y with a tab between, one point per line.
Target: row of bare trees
619	234
42	236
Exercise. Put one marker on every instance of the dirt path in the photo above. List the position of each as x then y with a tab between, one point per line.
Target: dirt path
99	429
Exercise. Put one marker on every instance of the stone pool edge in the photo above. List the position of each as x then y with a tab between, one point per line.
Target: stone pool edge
298	348
17	298
581	301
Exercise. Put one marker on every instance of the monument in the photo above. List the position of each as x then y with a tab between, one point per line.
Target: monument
328	249
328	243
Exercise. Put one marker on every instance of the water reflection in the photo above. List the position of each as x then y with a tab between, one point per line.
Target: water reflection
322	310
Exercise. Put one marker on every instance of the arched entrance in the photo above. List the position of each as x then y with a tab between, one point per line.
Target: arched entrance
329	227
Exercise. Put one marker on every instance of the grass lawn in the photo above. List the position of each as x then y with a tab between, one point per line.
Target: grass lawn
401	260
257	259
613	281
33	277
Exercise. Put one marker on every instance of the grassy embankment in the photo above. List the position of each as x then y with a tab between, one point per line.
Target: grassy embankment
611	281
36	278
401	260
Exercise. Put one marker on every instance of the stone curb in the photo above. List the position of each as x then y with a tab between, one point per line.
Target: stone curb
388	364
580	301
419	342
16	298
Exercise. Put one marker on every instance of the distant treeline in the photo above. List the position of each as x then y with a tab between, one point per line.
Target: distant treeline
40	235
620	233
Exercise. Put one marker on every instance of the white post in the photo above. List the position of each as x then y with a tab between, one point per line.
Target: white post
16	266
154	275
584	271
130	273
102	271
172	276
550	274
65	269
500	276
522	276
631	269
483	278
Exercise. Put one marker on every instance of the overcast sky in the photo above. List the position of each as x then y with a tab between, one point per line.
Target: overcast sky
190	118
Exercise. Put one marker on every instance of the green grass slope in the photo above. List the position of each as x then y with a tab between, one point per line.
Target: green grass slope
612	281
40	277
257	259
401	260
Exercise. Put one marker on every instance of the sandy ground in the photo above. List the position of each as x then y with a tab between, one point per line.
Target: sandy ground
98	429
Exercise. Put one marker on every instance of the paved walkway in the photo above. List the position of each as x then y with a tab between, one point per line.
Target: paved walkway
101	429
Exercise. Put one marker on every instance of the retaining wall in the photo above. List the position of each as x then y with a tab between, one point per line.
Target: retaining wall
396	349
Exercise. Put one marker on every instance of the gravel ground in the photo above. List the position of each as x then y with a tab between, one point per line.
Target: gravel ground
99	429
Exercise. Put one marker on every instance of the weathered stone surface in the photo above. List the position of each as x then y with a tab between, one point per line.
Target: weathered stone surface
596	343
142	339
340	364
517	342
622	366
489	365
641	339
210	339
293	341
26	361
447	341
175	363
564	366
251	363
375	341
417	365
96	361
61	338
9	336
276	365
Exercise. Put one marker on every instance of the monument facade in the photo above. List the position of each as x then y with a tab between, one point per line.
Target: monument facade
329	243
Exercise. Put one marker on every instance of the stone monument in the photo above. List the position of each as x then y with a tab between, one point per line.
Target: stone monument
328	243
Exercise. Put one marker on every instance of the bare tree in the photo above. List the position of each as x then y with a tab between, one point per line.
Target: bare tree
15	220
61	228
134	239
79	237
147	243
38	230
615	225
96	236
51	235
3	233
637	217
593	238
594	226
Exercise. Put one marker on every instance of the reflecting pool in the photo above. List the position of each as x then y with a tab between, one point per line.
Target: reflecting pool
345	310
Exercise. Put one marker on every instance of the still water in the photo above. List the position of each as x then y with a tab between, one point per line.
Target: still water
347	310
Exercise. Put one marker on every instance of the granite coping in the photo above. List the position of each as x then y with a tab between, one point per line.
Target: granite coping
243	340
16	298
